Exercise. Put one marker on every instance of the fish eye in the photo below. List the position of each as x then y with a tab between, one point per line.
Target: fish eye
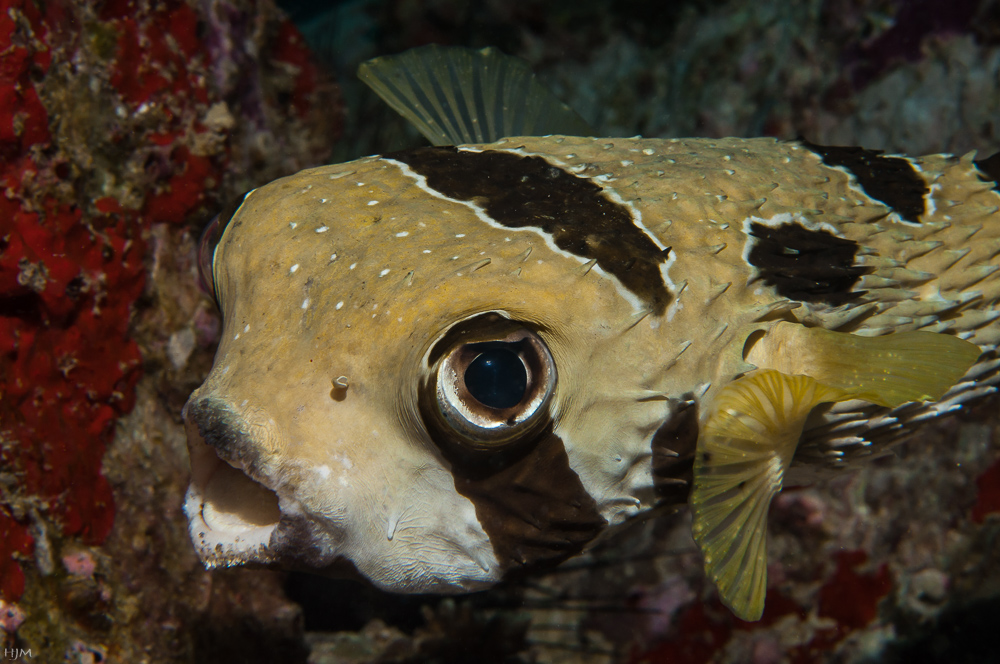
210	238
206	252
491	393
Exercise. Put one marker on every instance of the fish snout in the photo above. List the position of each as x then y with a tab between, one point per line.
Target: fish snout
231	508
236	510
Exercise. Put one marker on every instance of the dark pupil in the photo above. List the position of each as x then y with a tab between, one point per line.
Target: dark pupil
496	378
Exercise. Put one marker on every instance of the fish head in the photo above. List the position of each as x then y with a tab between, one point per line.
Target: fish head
406	391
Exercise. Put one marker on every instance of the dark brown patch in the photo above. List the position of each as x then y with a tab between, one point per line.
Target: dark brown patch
806	265
533	506
989	169
529	192
891	180
673	455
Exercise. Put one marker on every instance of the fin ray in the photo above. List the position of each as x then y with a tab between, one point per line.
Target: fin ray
745	448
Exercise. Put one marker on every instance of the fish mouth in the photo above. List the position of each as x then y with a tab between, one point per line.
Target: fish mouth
231	517
241	509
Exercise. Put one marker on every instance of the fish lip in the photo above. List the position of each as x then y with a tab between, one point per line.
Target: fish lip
238	514
231	516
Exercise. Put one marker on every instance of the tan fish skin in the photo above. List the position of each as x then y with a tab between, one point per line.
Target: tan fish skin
354	273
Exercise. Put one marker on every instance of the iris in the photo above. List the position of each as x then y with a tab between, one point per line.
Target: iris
497	378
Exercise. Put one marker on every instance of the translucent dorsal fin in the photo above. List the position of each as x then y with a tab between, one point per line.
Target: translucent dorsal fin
456	95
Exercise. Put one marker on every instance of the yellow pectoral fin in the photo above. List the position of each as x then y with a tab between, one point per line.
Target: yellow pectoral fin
755	423
743	452
888	370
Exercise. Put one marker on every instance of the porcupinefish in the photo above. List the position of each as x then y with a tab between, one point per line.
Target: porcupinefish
448	364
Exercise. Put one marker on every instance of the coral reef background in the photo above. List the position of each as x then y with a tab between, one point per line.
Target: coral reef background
125	124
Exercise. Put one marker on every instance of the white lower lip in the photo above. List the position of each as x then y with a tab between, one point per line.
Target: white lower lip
224	539
230	516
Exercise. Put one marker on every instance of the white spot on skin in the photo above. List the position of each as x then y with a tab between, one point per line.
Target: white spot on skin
246	329
649	151
372	202
226	370
333	257
383	273
340	305
402	233
322	229
353	265
322	200
427	251
293	225
305	303
237	337
459	234
323	471
293	269
627	162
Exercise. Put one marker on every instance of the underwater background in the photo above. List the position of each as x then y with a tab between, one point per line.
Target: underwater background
126	124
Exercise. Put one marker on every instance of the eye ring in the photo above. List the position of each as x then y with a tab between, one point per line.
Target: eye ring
479	427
